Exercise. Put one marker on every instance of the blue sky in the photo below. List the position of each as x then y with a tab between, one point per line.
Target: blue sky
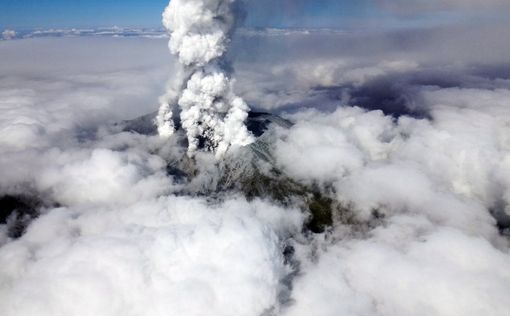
79	13
19	14
89	13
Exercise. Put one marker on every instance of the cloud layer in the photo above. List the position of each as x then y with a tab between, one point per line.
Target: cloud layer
411	148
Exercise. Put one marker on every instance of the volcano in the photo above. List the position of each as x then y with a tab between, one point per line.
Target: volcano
251	170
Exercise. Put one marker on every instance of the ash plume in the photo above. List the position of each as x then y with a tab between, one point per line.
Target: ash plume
209	111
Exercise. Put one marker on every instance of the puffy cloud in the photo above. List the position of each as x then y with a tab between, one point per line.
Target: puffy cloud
122	236
438	273
432	184
409	164
8	34
102	176
75	88
119	210
152	258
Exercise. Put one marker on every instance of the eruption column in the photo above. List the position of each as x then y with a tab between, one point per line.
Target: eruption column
210	112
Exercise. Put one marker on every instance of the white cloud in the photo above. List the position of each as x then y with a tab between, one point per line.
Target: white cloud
433	181
76	87
171	255
442	168
129	240
438	273
8	34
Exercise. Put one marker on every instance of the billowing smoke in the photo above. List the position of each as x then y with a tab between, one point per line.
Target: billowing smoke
212	115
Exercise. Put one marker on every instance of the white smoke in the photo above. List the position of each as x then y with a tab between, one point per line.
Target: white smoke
209	109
